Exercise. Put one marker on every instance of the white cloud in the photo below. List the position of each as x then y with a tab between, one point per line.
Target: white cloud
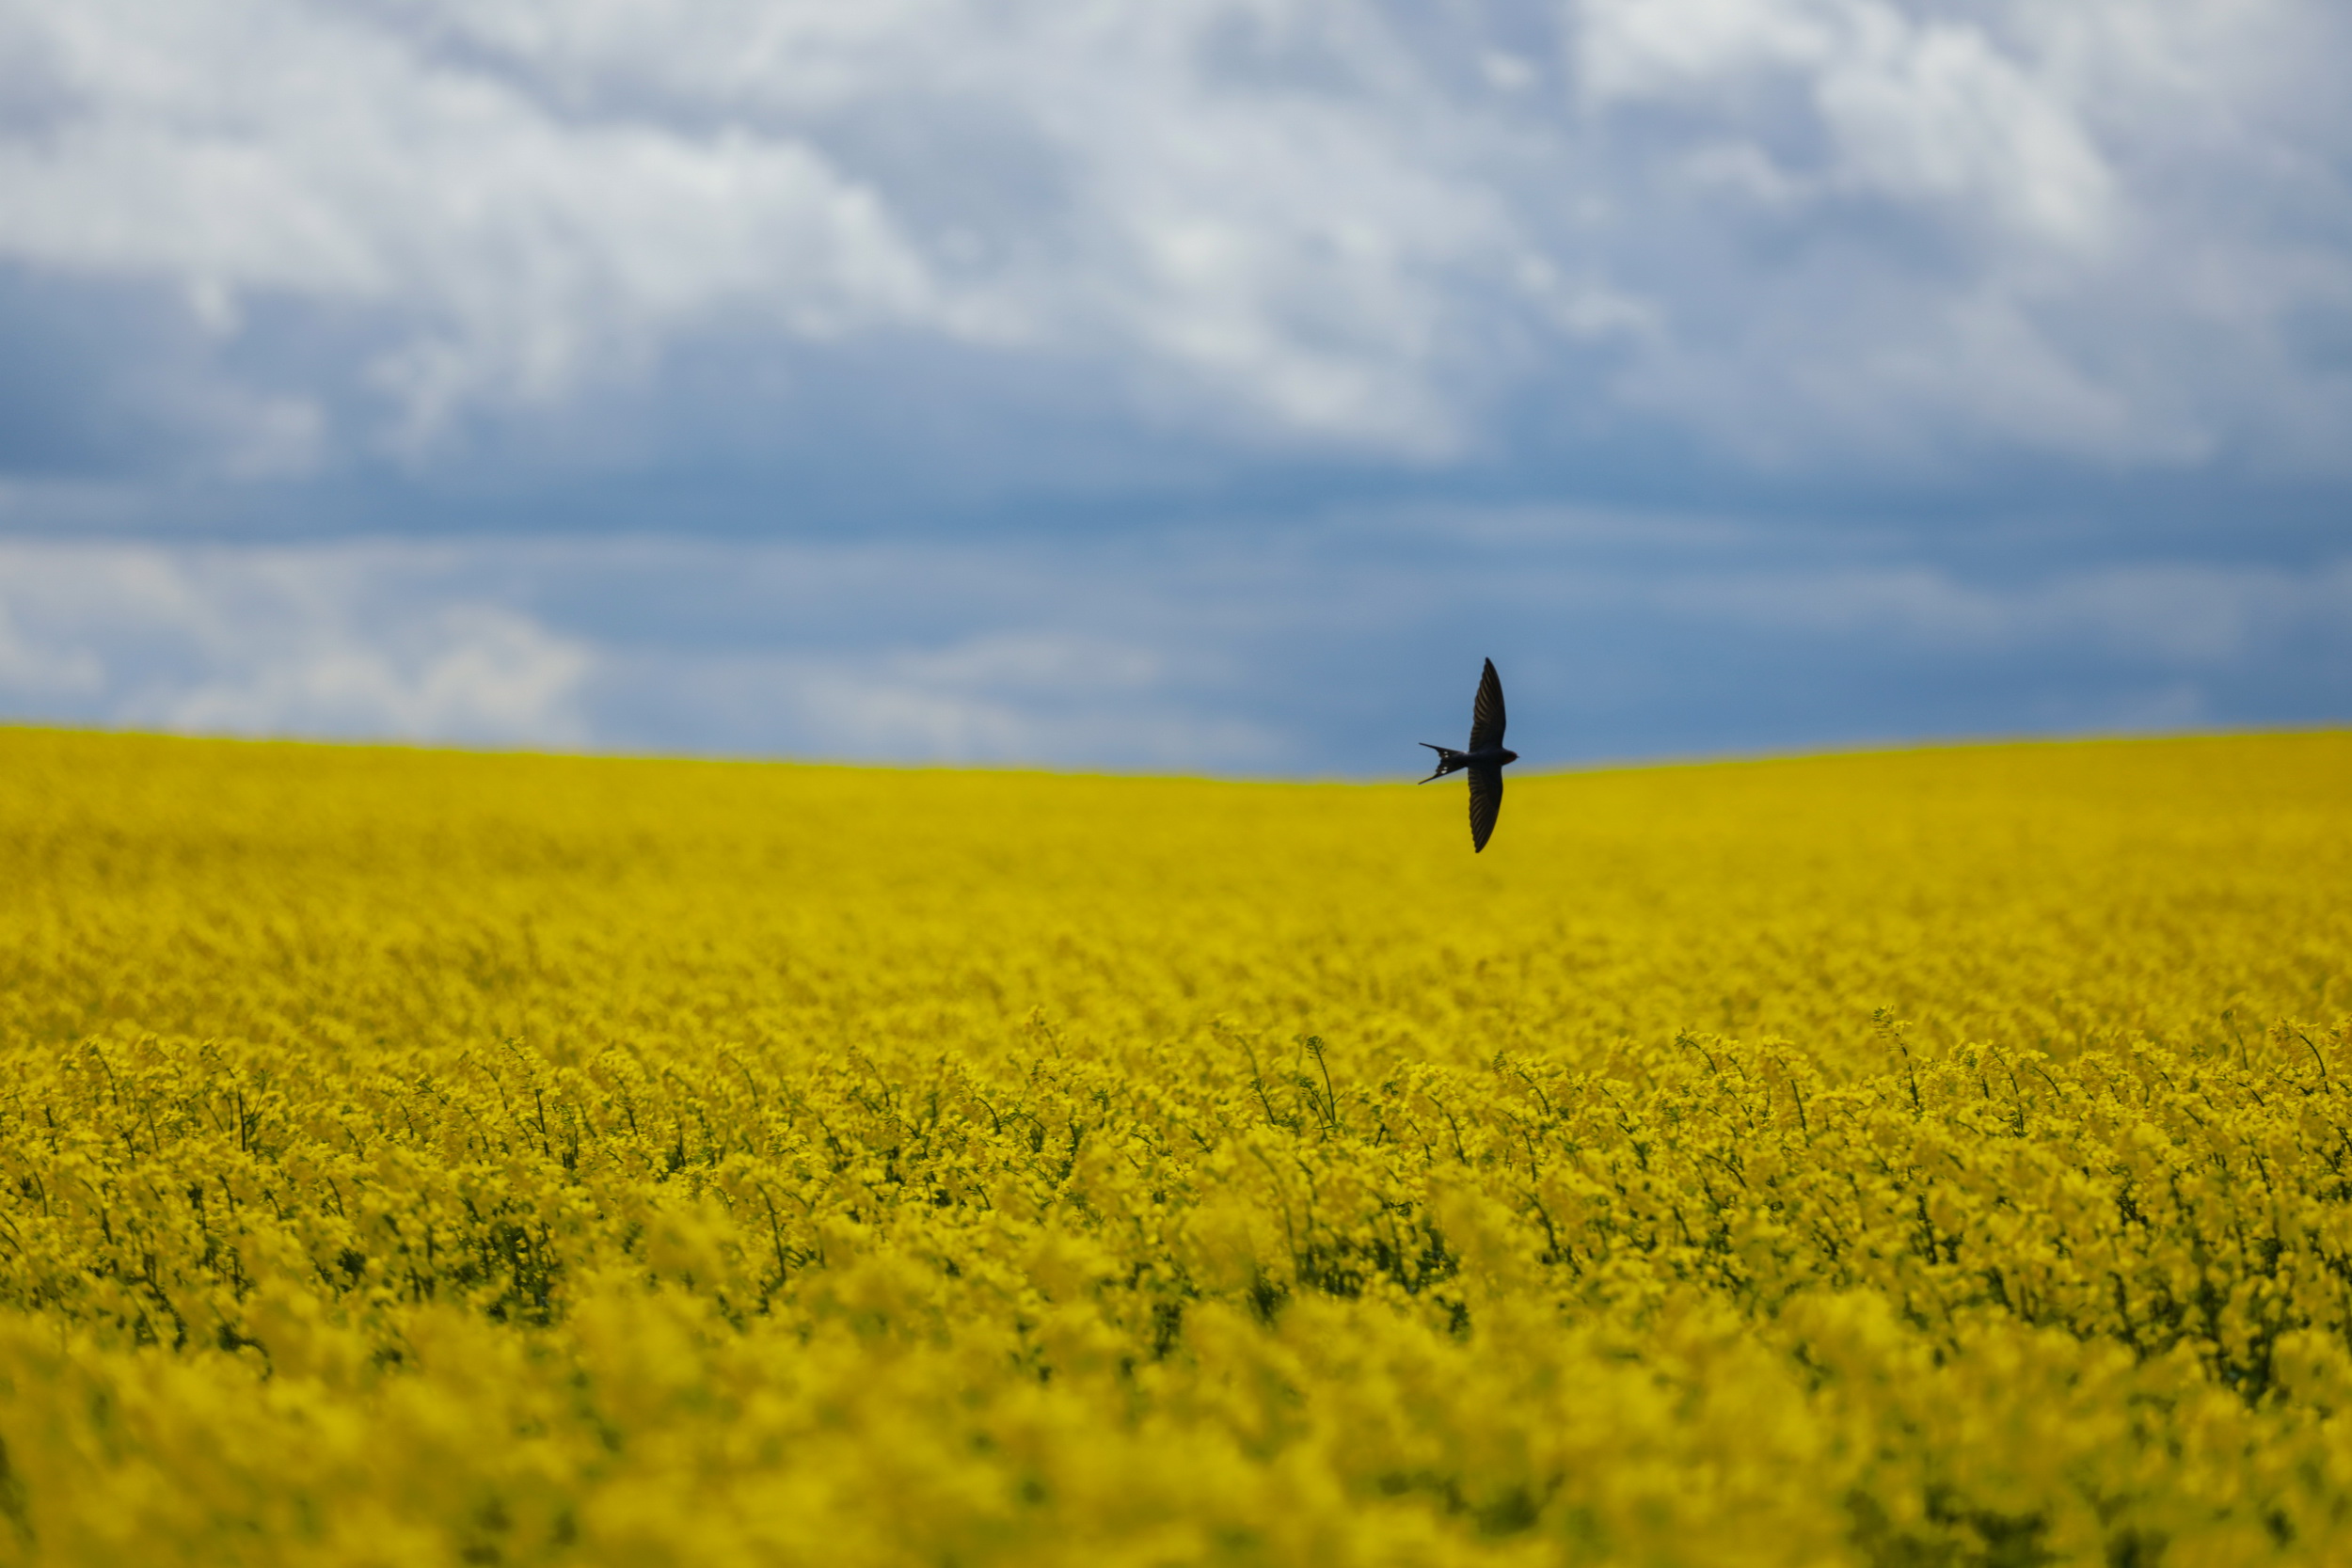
1916	237
1304	654
2166	615
251	145
471	673
1815	232
333	642
436	642
1028	696
35	670
1916	111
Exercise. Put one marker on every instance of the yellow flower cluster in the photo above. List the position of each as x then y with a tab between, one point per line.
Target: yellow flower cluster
1930	1158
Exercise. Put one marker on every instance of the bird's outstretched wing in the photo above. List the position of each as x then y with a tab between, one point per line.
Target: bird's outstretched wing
1486	802
1487	717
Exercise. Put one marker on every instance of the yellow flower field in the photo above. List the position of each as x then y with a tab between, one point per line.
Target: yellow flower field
1923	1158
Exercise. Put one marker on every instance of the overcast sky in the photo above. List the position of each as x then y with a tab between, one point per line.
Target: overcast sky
1201	384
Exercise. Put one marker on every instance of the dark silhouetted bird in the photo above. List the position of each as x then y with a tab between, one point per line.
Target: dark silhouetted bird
1485	759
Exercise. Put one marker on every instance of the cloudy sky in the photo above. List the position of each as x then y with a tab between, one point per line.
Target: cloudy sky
1200	385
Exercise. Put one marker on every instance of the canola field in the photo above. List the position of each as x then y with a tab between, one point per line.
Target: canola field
1941	1157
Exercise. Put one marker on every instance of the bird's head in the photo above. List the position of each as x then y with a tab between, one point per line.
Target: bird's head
1509	755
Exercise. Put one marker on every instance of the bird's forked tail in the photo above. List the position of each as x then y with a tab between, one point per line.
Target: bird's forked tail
1448	761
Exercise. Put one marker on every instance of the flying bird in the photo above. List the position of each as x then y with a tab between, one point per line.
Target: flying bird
1484	760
